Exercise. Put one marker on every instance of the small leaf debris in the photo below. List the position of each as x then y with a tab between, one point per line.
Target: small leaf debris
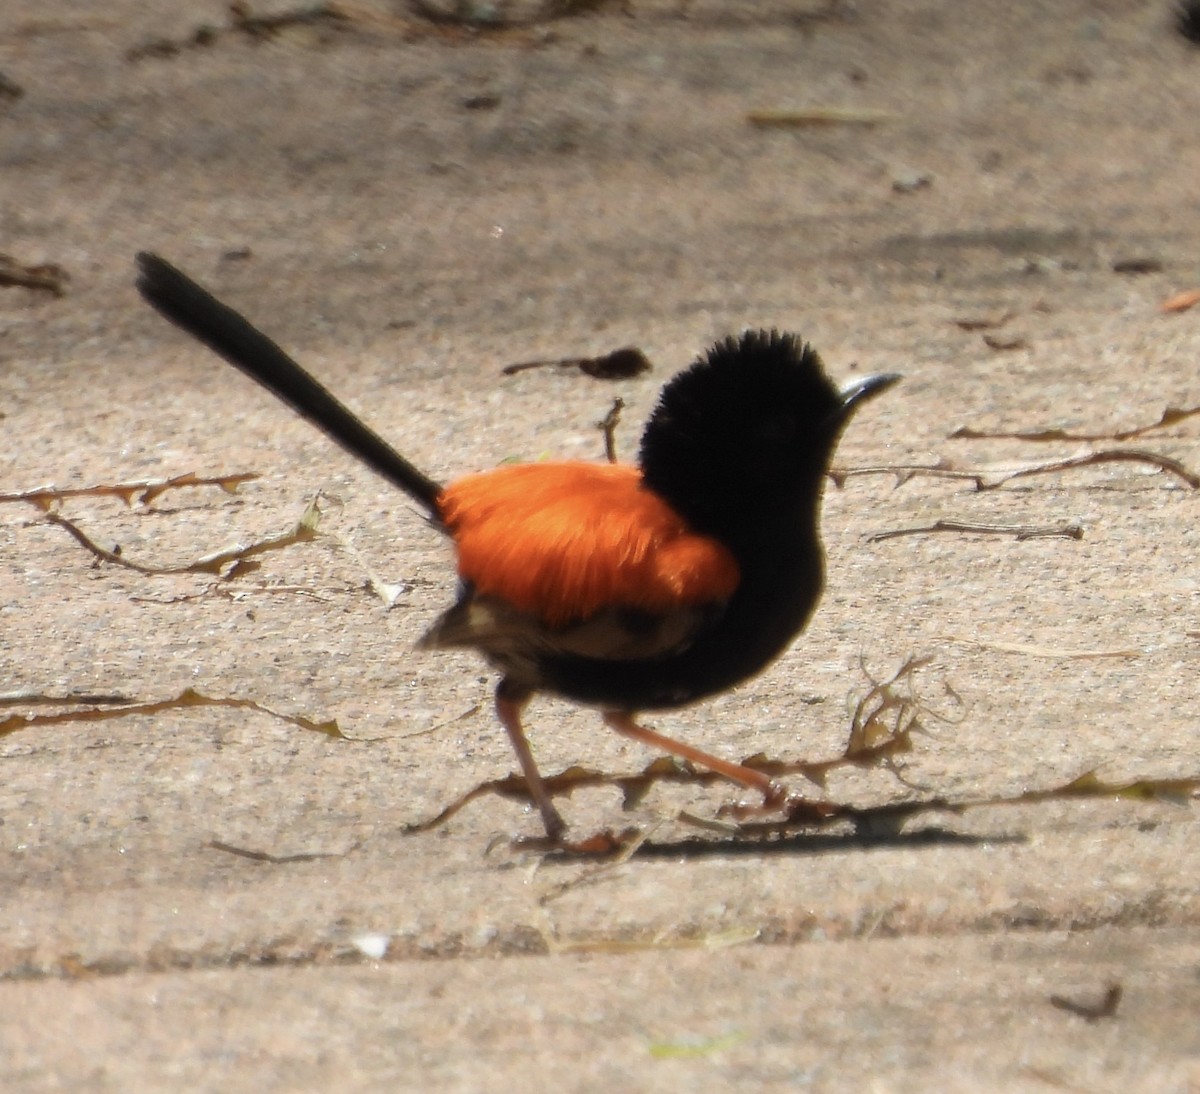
274	859
1138	265
243	21
694	1048
261	27
482	16
483	101
47	277
1056	652
909	182
37	699
883	720
1091	1012
620	364
452	21
437	727
10	89
1004	345
818	117
719	940
1181	301
986	322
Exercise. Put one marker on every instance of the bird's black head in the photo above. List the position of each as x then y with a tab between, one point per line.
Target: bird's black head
740	440
1187	20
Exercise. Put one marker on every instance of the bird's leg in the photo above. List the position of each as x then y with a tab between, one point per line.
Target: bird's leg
775	794
511	699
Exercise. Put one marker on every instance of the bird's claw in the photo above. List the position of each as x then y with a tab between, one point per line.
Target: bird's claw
777	799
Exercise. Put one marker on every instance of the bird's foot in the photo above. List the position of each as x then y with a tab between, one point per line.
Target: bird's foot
776	798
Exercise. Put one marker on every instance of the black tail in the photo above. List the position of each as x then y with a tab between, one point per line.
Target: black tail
178	298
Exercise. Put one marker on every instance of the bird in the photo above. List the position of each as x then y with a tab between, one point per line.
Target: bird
1187	20
625	587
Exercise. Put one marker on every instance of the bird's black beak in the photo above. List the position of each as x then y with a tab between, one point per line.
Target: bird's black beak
858	391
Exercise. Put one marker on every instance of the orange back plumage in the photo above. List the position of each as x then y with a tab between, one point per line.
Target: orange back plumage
564	541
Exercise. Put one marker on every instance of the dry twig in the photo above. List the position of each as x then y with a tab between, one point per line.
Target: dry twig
608	426
185	700
143	492
1171	416
1019	531
228	563
993	478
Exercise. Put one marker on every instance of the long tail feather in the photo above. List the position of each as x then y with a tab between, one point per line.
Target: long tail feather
230	335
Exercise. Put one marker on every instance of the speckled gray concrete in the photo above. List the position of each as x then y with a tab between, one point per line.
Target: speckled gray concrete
406	246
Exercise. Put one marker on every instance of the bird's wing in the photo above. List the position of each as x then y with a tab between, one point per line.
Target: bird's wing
568	542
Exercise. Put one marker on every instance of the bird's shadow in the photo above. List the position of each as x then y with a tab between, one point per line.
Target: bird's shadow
822	843
798	844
